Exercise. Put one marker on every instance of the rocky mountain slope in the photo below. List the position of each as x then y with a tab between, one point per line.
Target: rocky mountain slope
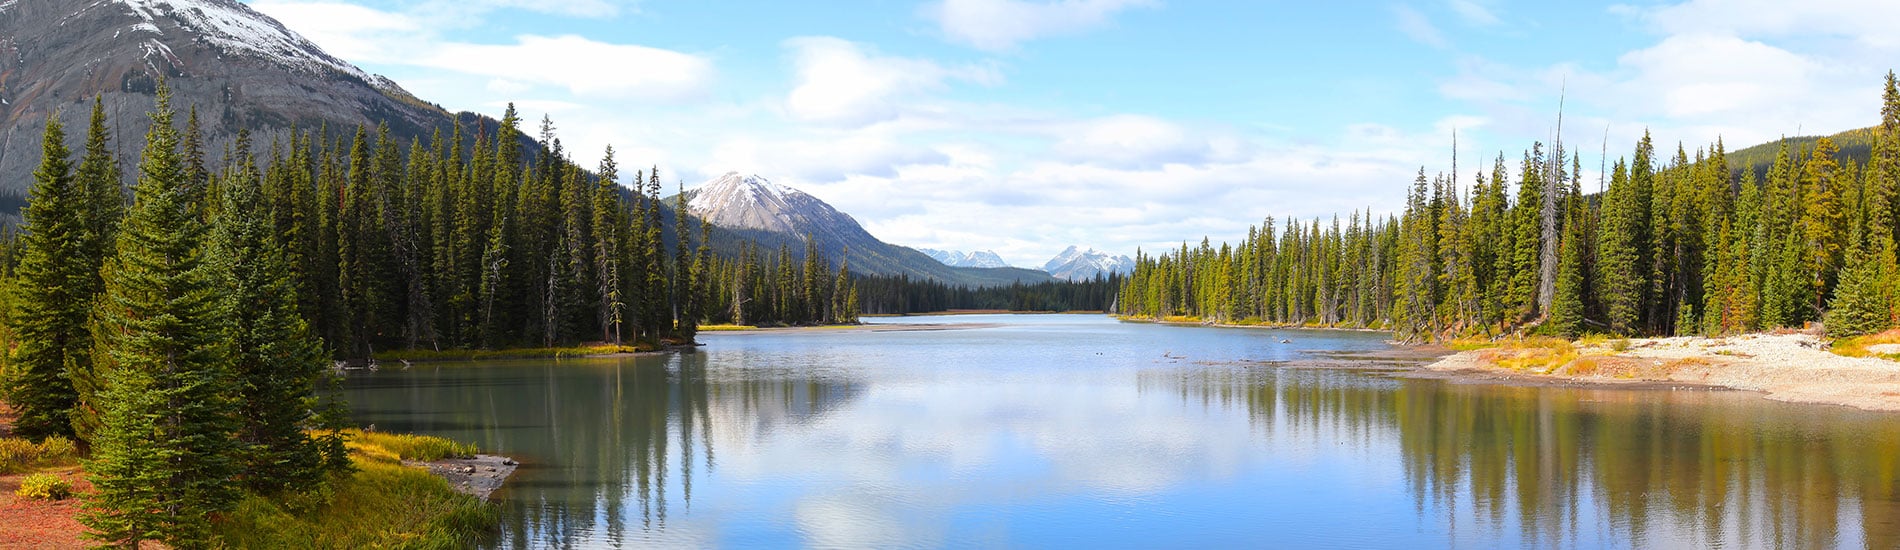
955	258
754	208
239	68
1078	264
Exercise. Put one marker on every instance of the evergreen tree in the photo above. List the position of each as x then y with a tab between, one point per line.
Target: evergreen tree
277	362
57	282
163	458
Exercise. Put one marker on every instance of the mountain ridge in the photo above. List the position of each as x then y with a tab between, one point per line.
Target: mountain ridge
773	215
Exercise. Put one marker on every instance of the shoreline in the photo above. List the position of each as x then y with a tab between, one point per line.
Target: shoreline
1791	368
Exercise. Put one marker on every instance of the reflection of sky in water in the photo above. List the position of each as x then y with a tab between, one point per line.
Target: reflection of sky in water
1079	431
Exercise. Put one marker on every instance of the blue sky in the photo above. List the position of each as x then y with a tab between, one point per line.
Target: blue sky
1024	126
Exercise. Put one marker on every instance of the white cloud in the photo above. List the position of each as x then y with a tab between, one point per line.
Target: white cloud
1001	25
585	67
582	66
469	12
1868	21
1415	26
845	83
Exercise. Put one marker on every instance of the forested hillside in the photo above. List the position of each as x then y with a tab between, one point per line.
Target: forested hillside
1677	244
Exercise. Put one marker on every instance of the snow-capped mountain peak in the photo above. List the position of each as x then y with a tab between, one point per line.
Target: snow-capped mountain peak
954	258
1077	263
748	202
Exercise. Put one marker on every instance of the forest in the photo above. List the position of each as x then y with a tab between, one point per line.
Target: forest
898	295
200	319
1682	243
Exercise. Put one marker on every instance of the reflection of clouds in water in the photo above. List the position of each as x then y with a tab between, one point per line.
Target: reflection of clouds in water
864	517
978	442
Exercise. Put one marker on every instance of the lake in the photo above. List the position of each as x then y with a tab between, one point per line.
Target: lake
1079	431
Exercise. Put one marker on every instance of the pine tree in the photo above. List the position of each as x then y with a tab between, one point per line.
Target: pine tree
163	458
1567	305
1863	303
609	221
58	281
277	362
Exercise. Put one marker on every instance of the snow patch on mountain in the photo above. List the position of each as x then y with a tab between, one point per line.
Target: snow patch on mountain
748	202
1079	264
235	28
954	258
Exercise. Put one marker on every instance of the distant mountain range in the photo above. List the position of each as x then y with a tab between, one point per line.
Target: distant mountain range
753	208
953	258
1073	264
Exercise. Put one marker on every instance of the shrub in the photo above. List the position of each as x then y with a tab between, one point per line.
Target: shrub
17	454
44	487
57	449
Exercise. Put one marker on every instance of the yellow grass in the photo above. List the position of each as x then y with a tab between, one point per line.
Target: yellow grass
1857	346
1538	354
726	328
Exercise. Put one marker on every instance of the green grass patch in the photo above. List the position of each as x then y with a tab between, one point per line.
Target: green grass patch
407	446
382	504
1856	346
424	355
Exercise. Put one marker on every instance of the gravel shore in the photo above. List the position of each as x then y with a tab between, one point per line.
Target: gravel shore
1797	368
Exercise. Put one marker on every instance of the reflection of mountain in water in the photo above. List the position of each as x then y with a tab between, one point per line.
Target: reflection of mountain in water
608	446
1523	466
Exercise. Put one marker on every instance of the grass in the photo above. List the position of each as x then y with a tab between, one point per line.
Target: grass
423	355
383	504
1856	346
1541	354
407	446
726	328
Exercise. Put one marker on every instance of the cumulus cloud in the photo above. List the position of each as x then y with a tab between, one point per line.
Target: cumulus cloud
585	67
846	83
1001	25
582	66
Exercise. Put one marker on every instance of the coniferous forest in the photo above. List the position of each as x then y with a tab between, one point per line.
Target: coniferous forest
1676	242
183	338
896	295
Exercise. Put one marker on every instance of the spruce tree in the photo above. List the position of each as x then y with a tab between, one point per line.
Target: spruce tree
277	362
58	280
163	458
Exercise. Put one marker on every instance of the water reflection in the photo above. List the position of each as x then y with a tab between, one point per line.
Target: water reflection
610	447
1565	467
1066	433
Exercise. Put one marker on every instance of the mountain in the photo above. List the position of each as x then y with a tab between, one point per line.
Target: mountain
1076	264
953	258
239	68
754	208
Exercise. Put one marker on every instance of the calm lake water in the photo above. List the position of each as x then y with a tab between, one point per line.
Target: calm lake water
1081	432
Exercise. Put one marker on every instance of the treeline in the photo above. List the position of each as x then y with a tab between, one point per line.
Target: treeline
776	288
481	242
896	295
1672	245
